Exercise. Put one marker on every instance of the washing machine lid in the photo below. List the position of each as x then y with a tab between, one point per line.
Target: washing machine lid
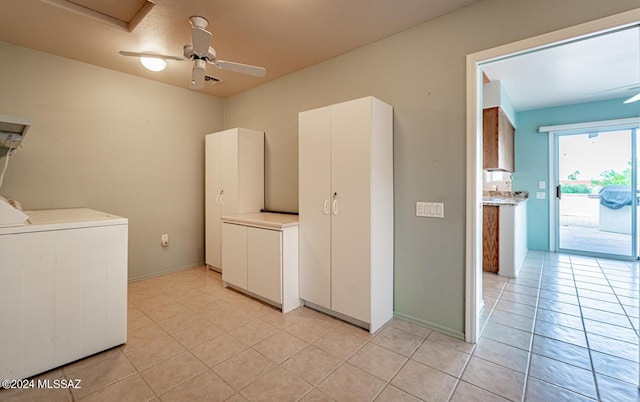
68	218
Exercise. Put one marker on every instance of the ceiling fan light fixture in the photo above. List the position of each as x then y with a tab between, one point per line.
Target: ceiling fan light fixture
633	99
153	63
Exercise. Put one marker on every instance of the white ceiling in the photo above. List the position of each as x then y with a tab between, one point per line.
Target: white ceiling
282	35
597	68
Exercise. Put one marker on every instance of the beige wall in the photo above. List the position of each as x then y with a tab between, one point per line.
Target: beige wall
421	72
112	142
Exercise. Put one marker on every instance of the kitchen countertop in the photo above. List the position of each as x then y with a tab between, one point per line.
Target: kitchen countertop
499	198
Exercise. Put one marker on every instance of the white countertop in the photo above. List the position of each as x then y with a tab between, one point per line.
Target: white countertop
269	220
68	218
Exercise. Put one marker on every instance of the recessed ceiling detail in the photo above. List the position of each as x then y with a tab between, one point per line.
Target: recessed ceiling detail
122	14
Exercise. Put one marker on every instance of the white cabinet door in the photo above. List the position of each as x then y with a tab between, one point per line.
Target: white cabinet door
234	181
346	237
264	263
234	254
315	204
250	171
213	185
229	178
351	226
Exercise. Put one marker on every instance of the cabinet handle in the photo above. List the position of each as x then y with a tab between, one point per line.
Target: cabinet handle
325	209
222	197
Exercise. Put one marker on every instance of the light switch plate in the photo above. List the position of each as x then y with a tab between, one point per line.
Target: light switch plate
542	184
541	195
430	209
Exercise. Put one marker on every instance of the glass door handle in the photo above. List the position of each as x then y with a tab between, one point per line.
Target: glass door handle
559	192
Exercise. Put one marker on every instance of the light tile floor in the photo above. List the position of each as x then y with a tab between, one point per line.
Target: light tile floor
565	330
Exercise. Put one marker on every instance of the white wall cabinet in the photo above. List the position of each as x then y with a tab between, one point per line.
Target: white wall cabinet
63	286
346	210
234	182
260	257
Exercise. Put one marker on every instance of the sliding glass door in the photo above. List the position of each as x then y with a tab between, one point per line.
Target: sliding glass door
596	193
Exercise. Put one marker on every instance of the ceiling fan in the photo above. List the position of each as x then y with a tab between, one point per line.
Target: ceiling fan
201	53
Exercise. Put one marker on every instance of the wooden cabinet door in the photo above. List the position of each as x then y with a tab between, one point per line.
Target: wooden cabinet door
351	208
234	254
497	140
505	140
490	238
264	263
490	138
314	173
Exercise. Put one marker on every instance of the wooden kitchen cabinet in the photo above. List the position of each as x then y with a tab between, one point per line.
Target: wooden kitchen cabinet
498	138
490	238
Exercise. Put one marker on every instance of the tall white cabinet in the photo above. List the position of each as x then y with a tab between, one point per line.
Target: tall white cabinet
346	210
234	182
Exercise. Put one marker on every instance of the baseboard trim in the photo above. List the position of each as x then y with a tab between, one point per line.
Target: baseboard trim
430	325
165	272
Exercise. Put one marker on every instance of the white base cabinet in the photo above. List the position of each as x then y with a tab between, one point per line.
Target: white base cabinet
346	210
234	182
513	239
260	257
63	288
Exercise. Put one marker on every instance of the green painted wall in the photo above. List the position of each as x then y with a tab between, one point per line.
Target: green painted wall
421	72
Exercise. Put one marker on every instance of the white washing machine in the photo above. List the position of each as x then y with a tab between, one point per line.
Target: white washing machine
63	289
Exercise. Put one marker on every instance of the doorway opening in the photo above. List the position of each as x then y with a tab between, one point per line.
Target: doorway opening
473	291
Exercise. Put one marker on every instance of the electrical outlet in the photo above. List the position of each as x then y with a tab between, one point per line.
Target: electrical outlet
165	240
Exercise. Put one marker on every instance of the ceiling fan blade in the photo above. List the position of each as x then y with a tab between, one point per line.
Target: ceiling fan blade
200	39
151	54
197	75
240	68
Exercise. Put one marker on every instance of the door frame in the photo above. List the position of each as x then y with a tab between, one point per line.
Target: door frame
603	126
473	228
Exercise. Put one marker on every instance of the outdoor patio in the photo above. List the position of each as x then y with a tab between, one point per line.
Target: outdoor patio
580	228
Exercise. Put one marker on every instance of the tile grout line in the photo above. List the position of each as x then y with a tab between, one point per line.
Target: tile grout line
584	329
533	331
616	296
